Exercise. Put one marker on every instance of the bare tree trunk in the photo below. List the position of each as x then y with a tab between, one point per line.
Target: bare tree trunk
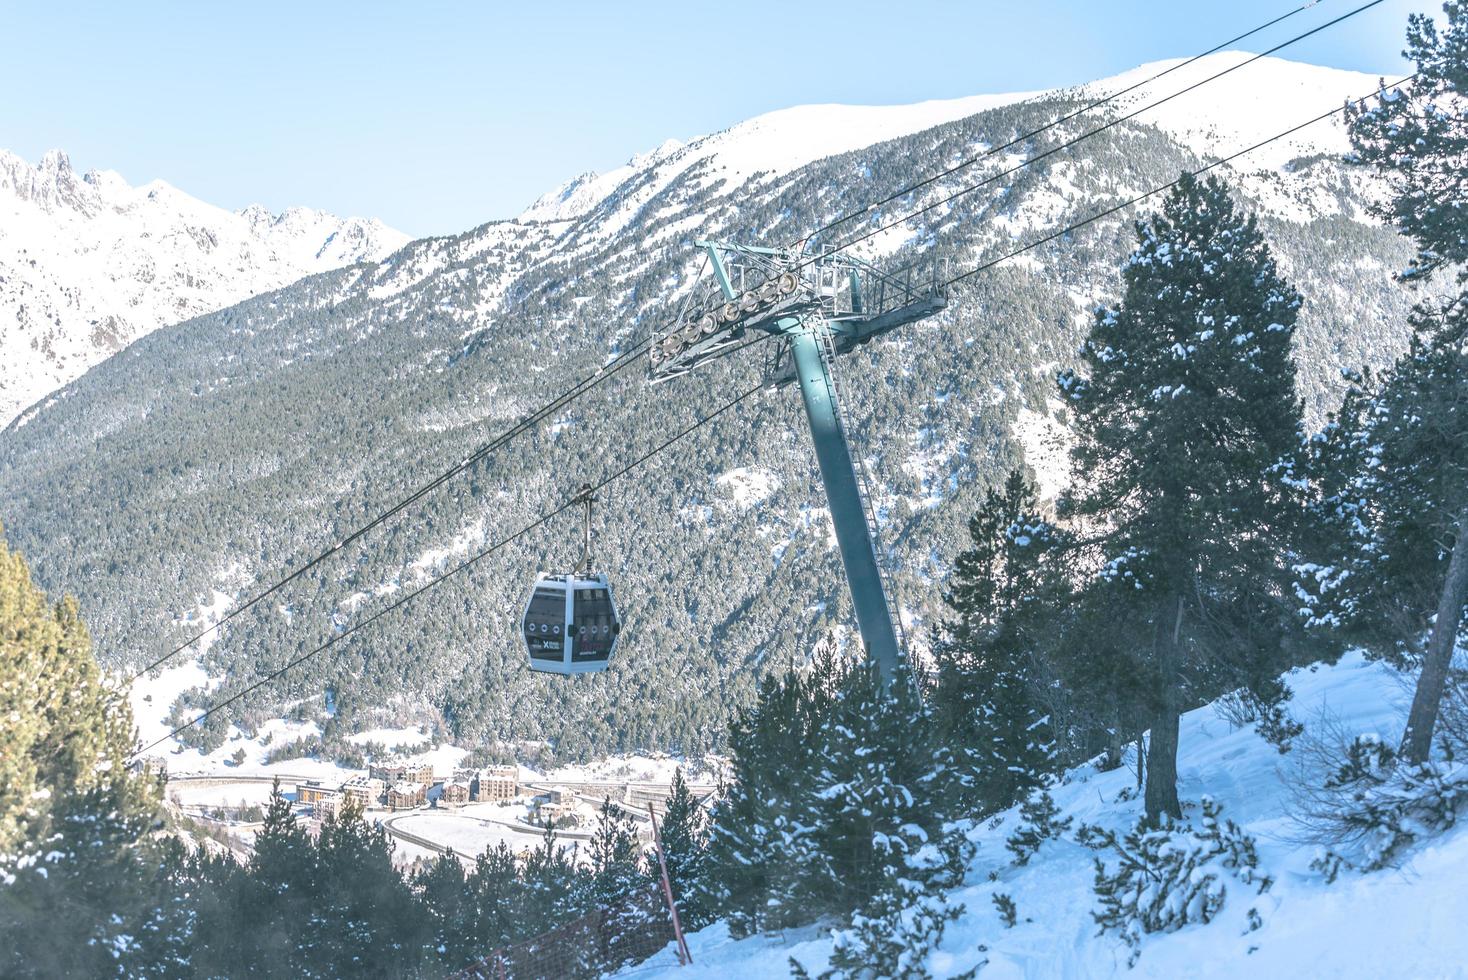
1161	796
1141	757
1161	793
1114	744
1417	739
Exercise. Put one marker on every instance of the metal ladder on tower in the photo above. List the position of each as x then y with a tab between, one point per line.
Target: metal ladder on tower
827	345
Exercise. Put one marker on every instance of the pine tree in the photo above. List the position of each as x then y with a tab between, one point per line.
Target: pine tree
443	889
889	846
1418	137
554	885
1040	820
279	902
169	941
617	884
1006	595
842	805
493	893
684	835
617	867
1186	419
761	829
200	898
1339	467
881	795
369	923
73	859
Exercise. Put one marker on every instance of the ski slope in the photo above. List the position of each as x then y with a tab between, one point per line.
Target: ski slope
1398	923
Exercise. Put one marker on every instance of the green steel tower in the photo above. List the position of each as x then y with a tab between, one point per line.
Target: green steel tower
819	305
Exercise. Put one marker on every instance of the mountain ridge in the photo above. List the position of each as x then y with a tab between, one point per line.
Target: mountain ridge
891	121
89	264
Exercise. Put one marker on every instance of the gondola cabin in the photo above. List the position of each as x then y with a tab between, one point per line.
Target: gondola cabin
571	624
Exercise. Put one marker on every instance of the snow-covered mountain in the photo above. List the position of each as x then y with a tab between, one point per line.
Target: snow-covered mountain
766	146
89	264
1249	103
347	389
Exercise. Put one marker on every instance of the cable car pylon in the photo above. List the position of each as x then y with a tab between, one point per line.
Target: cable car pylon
820	305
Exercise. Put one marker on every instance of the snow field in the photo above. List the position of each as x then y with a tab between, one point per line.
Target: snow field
1247	105
467	834
229	795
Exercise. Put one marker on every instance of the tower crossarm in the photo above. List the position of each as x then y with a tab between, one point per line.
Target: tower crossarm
756	288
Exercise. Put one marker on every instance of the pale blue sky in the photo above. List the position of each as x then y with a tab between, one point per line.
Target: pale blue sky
439	116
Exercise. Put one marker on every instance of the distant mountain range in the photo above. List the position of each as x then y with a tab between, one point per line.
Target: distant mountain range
217	452
89	264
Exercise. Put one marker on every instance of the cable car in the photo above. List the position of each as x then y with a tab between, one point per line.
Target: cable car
571	624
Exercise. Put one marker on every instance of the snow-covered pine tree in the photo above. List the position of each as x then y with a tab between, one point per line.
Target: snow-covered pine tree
889	846
493	891
1417	136
1390	470
1166	878
883	795
448	905
553	885
1040	820
617	868
363	908
1340	468
277	902
196	915
684	833
1006	596
761	845
73	817
618	875
1185	412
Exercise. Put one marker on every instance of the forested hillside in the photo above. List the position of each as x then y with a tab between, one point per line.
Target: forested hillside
210	456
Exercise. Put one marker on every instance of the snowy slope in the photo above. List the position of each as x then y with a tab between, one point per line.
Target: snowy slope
770	145
1255	100
1398	923
1246	105
88	264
